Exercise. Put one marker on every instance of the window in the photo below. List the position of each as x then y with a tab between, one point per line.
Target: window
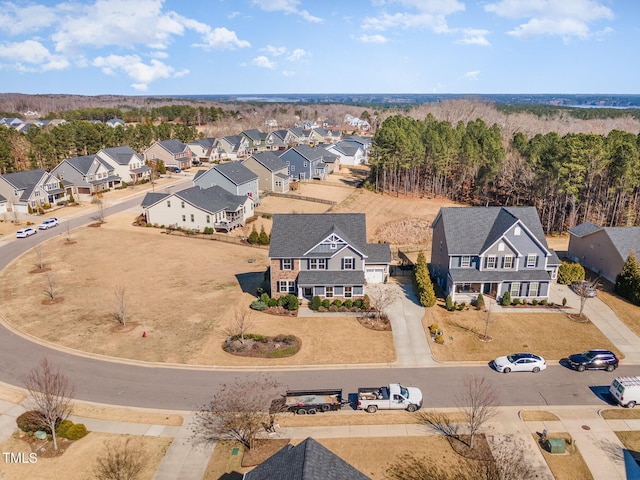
208	218
286	264
293	168
517	231
507	261
333	246
466	261
348	263
491	262
317	264
305	164
184	218
192	218
278	183
182	204
348	292
515	289
169	203
533	289
328	292
287	286
531	260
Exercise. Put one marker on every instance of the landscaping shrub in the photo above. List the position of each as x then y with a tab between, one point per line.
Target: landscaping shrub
543	301
258	305
63	428
265	297
570	272
291	302
263	238
272	302
506	299
76	432
254	236
337	302
516	301
148	225
316	303
480	302
348	303
534	302
423	283
366	303
31	421
449	304
433	328
564	301
439	339
326	303
357	303
208	230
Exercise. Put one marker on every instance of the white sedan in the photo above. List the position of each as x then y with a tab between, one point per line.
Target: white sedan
25	232
519	362
48	223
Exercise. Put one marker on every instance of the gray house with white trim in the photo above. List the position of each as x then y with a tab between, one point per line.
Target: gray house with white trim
30	189
492	250
234	177
325	255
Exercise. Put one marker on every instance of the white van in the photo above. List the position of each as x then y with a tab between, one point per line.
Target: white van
626	391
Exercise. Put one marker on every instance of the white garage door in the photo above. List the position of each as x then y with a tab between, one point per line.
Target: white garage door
21	208
374	275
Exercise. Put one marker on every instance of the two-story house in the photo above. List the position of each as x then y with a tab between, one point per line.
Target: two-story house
278	140
198	208
491	250
256	140
203	150
234	177
271	171
173	153
232	146
30	189
350	153
85	176
306	163
325	255
126	162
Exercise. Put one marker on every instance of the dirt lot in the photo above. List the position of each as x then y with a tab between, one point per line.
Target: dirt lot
78	461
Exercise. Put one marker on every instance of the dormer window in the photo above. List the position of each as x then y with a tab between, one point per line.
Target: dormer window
465	261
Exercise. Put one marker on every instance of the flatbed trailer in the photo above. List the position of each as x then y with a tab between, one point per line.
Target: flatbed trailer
313	401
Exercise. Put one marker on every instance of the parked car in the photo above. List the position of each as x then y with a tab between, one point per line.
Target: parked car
25	232
48	223
519	362
584	286
594	360
196	163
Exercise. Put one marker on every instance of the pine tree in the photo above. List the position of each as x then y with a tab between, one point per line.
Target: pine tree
254	237
480	302
628	280
263	238
428	294
449	303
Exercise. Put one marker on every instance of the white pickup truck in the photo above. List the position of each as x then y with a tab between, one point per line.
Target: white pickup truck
391	397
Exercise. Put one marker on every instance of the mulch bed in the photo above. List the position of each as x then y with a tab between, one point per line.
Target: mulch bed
267	347
52	301
575	317
372	323
95	224
127	327
281	311
40	270
263	449
480	450
44	448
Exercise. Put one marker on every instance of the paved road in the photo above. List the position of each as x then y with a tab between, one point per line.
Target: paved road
187	389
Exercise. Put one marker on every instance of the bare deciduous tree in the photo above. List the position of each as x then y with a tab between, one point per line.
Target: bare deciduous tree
40	257
121	307
585	290
101	204
382	297
50	286
240	324
238	411
120	461
50	394
67	229
478	404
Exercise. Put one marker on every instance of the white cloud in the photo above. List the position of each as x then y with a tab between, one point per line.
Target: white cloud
286	6
274	51
263	62
414	14
373	38
474	36
441	7
141	73
223	39
566	18
297	54
473	75
32	56
16	19
288	73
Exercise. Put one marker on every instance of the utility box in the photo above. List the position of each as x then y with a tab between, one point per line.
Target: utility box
556	445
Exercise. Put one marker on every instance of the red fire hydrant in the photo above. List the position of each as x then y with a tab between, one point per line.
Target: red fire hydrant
144	334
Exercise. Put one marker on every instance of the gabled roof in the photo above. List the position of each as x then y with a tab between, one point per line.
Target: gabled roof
624	239
269	160
172	146
83	164
213	199
325	132
121	155
205	143
584	229
281	134
308	460
311	154
26	180
236	172
470	230
254	135
294	234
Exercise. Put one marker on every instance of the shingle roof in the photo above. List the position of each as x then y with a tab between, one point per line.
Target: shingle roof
378	253
254	134
122	155
293	234
270	161
173	146
584	229
213	199
331	277
152	198
624	239
26	180
205	143
84	163
469	230
236	172
308	460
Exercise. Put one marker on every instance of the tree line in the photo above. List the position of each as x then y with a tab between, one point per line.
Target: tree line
571	179
46	147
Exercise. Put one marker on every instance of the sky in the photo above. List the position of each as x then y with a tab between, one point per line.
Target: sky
197	47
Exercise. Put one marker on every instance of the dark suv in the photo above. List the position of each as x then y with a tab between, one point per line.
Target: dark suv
594	360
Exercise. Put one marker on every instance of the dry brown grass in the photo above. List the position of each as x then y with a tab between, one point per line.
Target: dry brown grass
626	311
565	467
552	335
185	306
77	463
123	414
631	441
346	417
620	414
538	416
